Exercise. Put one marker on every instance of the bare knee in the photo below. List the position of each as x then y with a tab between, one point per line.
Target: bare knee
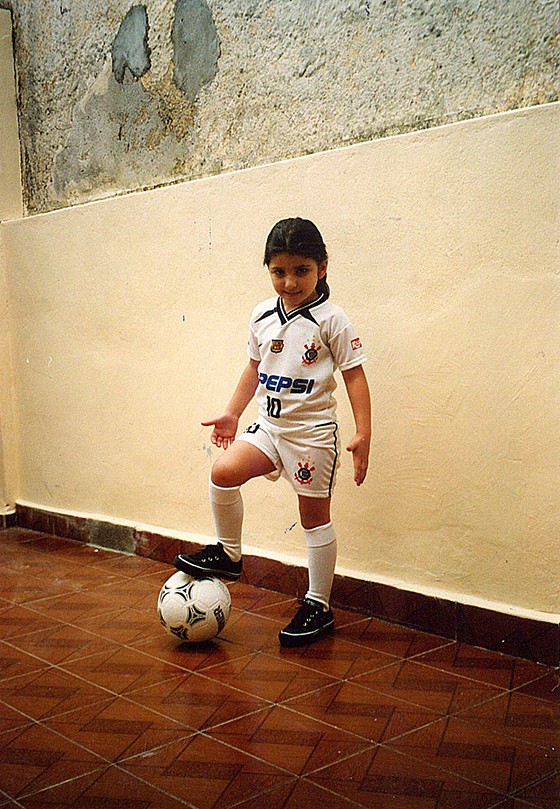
314	512
239	463
225	475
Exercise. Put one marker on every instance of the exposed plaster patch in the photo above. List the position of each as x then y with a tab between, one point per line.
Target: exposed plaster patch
196	47
130	48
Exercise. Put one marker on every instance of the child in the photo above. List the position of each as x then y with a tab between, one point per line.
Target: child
296	342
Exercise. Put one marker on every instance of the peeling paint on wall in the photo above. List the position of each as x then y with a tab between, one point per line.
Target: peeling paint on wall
134	123
115	139
206	86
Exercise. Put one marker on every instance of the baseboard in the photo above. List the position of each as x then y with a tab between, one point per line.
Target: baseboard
523	637
8	520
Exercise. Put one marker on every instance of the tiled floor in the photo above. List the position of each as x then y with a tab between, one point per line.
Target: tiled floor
100	708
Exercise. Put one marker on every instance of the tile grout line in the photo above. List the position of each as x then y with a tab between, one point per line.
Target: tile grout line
100	770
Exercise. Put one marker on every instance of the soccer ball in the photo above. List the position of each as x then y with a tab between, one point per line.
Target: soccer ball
193	610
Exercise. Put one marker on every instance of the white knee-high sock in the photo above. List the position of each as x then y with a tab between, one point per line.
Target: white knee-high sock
321	560
227	510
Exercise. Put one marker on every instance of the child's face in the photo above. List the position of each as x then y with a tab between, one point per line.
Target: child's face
294	278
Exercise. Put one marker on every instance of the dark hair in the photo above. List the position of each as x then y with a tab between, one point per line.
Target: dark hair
297	237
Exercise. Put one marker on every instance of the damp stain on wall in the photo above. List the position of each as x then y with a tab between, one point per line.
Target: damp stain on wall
134	124
127	95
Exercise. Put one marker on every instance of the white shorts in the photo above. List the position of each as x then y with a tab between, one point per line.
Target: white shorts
308	457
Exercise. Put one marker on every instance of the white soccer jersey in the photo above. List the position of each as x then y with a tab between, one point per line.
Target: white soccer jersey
298	352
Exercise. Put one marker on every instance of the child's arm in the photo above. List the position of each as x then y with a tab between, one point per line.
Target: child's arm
358	393
225	426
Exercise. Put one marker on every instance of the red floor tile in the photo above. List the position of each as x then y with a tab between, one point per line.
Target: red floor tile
11	721
117	728
373	716
296	743
121	670
546	687
441	691
298	794
394	640
468	750
49	693
269	677
124	625
333	656
37	758
251	599
523	717
379	778
189	657
544	794
61	643
20	587
16	621
112	788
99	707
197	701
206	772
492	668
77	607
15	662
514	803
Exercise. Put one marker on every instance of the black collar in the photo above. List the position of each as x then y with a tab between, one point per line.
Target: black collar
304	310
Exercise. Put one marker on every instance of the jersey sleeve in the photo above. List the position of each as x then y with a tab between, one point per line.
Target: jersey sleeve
346	346
253	350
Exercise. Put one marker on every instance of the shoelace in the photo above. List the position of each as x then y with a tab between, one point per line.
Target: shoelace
307	610
207	553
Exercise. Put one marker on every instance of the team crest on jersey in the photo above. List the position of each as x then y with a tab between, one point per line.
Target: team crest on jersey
356	344
277	346
311	353
304	472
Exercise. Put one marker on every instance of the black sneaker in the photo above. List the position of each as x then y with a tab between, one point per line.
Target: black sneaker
209	560
308	624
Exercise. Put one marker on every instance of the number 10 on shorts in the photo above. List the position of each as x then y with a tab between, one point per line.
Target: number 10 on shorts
273	407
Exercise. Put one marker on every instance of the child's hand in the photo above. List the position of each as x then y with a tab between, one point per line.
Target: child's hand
359	447
225	428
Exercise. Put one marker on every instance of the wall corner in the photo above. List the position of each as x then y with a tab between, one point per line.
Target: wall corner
11	192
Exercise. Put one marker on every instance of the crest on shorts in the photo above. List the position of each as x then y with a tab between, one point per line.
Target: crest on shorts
277	346
311	353
304	472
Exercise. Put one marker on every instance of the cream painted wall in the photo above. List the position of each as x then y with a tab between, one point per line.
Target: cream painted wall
10	208
11	205
129	321
8	431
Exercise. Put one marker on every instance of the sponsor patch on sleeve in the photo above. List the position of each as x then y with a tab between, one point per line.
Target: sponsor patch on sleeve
356	343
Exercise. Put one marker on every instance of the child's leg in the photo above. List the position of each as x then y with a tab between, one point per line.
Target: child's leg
239	463
314	618
227	510
321	546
